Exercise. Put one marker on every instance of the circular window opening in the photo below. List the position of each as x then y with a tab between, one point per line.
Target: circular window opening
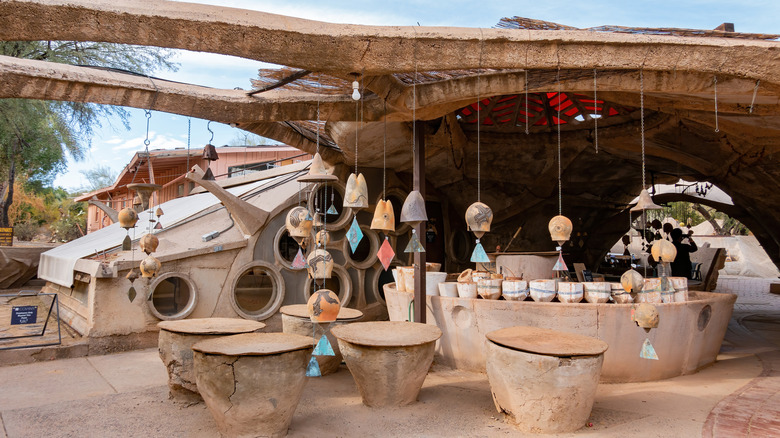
173	297
383	278
255	291
460	245
288	247
363	250
328	196
333	283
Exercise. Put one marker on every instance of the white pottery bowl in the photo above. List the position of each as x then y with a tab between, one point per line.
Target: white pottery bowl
569	292
542	290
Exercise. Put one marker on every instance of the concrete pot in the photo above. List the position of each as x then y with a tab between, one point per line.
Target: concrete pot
514	289
542	290
570	292
467	290
388	360
432	281
252	383
619	295
543	393
651	291
489	288
448	289
175	343
597	292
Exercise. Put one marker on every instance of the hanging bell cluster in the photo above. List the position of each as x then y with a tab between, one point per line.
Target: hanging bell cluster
150	266
478	219
127	219
413	213
560	229
356	192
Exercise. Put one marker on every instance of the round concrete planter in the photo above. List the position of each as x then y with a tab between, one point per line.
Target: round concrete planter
549	389
295	320
252	383
388	360
175	346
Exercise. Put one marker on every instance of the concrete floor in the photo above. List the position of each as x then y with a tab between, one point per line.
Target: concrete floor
125	395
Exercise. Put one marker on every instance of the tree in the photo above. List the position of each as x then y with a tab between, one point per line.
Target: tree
37	136
98	178
244	138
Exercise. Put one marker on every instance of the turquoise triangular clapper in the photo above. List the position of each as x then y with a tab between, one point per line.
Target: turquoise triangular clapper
648	352
323	347
479	255
414	244
332	209
354	235
313	370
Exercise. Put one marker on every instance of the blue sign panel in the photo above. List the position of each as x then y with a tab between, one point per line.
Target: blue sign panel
24	315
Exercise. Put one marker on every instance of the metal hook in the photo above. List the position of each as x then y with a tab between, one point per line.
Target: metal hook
208	127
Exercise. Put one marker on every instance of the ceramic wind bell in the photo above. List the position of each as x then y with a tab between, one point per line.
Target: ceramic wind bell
478	219
560	228
323	307
384	220
413	212
299	225
356	198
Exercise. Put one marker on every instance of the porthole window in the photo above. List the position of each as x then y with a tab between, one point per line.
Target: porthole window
173	296
365	254
285	247
460	245
258	291
323	197
340	283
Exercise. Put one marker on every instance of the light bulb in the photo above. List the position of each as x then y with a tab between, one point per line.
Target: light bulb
355	92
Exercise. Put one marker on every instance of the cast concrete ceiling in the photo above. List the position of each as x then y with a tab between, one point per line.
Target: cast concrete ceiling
461	66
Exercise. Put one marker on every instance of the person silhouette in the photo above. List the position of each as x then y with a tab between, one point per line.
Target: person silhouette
681	266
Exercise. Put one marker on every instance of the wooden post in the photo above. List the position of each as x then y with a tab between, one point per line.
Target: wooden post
419	257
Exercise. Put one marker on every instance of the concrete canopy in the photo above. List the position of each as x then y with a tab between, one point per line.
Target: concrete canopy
519	171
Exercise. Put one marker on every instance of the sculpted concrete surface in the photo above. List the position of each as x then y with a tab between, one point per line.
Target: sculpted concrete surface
175	346
253	391
388	360
540	393
688	337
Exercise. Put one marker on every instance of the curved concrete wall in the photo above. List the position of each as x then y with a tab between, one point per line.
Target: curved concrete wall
688	336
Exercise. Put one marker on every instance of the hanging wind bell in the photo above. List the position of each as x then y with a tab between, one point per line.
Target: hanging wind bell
356	192
384	216
158	213
479	216
560	227
413	211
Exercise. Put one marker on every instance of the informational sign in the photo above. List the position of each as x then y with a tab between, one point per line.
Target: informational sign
587	275
24	315
6	236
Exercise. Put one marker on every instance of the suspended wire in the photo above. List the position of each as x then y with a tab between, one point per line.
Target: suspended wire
755	92
558	123
716	105
527	116
596	105
642	121
384	159
479	119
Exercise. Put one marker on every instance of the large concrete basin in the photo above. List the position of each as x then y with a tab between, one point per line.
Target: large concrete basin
688	337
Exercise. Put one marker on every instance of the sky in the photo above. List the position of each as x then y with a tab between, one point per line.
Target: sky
113	146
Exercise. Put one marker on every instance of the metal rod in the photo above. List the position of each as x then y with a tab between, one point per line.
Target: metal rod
419	257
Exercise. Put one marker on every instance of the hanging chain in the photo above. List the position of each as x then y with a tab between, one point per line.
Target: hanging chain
596	106
716	105
414	99
642	121
319	90
527	116
189	130
558	122
146	140
357	128
755	92
384	159
479	119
